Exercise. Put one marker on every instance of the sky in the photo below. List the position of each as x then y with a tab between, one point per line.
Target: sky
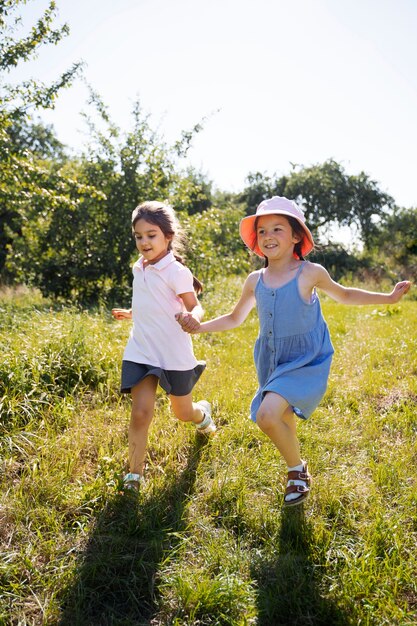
277	82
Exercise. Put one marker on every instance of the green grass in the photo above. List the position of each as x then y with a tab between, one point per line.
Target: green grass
206	542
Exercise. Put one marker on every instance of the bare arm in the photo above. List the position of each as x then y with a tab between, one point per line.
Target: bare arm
190	321
122	314
240	312
352	295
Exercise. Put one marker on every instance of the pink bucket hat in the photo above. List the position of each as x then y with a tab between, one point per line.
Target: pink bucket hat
277	205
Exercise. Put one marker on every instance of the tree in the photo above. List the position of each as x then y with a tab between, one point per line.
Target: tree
261	186
328	195
36	138
17	100
215	248
193	192
370	206
87	246
24	181
395	239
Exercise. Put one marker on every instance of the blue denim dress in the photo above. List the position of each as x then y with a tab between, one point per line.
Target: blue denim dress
293	351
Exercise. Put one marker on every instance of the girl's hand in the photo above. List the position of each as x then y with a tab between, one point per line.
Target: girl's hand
400	290
188	322
122	314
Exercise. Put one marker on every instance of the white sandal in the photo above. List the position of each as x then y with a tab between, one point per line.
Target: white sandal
207	426
131	482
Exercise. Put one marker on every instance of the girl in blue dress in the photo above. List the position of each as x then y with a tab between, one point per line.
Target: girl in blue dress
293	351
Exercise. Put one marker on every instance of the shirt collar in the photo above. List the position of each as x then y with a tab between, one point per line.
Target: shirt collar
167	259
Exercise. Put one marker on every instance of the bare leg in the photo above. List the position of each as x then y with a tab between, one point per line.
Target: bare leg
185	409
143	406
276	419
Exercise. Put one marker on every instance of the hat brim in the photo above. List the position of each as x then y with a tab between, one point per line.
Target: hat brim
248	234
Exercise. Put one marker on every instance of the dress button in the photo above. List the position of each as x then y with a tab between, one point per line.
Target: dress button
270	315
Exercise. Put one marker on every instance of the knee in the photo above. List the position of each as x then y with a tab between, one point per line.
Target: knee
266	419
140	417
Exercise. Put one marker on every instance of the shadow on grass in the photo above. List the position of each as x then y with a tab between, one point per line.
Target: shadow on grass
289	589
115	582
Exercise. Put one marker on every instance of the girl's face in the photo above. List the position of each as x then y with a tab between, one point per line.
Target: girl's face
275	236
150	241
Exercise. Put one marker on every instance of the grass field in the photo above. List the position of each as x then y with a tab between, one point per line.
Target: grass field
206	542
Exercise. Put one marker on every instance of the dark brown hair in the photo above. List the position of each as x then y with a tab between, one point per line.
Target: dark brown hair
163	215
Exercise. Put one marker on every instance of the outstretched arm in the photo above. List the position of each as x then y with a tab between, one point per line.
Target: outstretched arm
352	295
237	316
122	314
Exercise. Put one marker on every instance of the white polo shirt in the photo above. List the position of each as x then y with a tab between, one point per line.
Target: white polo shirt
156	337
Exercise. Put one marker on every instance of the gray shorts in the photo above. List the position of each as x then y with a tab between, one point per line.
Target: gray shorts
174	382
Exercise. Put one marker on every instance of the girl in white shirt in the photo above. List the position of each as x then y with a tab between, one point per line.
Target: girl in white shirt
158	350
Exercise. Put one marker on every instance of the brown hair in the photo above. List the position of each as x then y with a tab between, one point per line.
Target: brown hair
163	215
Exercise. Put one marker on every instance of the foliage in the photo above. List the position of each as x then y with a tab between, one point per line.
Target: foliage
206	541
338	261
65	222
192	192
16	100
88	247
51	189
40	376
25	184
36	138
395	242
214	245
328	195
259	187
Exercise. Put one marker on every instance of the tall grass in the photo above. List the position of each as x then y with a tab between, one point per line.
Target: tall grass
206	542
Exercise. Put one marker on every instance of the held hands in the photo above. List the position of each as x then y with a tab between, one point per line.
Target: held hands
122	314
400	290
188	322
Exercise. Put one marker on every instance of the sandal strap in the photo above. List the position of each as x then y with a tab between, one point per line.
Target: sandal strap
296	489
302	490
294	475
206	421
303	475
132	478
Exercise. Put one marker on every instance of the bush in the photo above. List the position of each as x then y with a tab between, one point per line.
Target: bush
48	359
214	245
